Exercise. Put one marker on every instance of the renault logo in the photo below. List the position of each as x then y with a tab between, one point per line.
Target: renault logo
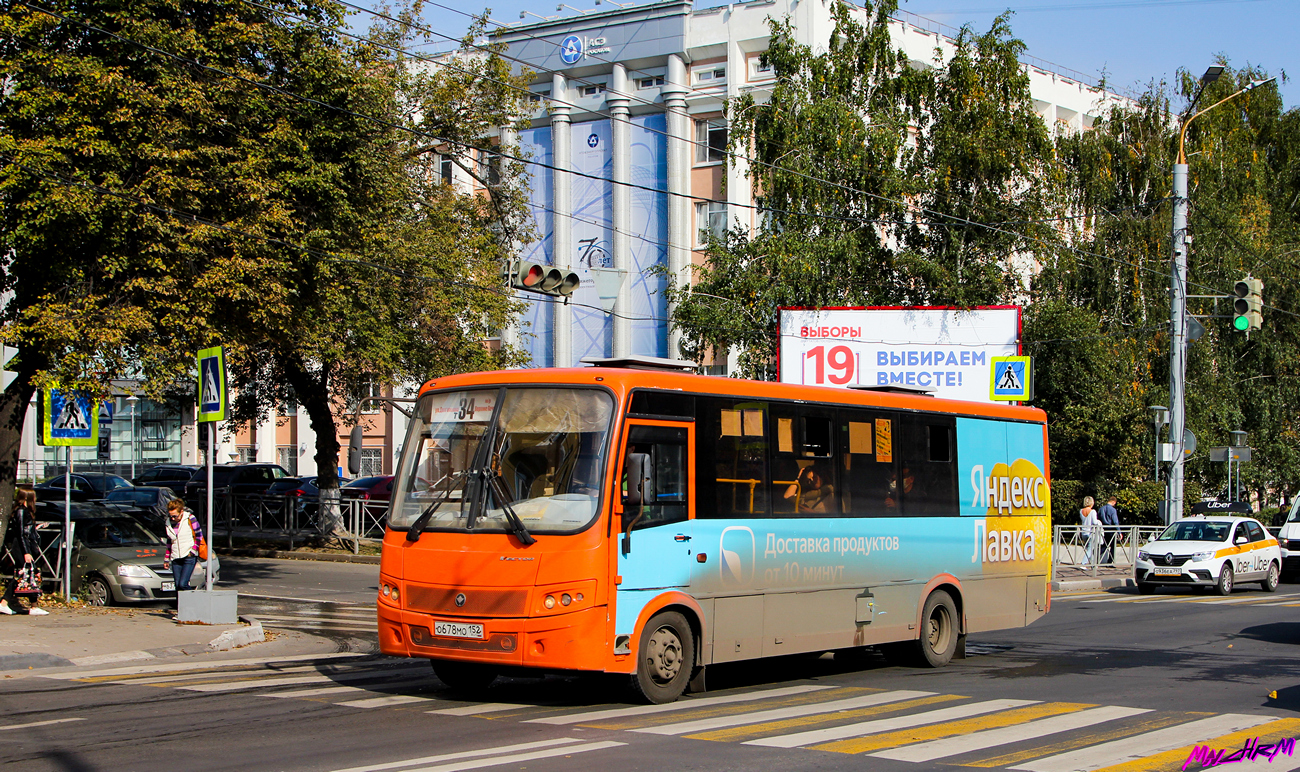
1169	558
460	599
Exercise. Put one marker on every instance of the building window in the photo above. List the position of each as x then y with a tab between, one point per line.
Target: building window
710	141
595	89
537	96
373	407
710	220
445	167
152	437
657	80
287	457
759	67
245	454
489	167
372	462
711	75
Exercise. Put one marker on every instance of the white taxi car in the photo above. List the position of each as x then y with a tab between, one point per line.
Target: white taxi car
1209	551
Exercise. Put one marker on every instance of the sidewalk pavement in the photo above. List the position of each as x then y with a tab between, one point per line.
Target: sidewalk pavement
92	636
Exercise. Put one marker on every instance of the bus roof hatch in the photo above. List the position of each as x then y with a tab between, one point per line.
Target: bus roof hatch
638	362
896	388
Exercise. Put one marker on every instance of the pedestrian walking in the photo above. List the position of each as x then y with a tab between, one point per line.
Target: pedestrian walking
1110	525
1090	531
22	545
185	543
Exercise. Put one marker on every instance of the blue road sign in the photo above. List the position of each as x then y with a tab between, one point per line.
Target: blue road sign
212	384
106	412
1013	379
68	418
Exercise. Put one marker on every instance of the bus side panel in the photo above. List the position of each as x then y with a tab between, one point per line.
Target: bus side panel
795	622
737	628
995	603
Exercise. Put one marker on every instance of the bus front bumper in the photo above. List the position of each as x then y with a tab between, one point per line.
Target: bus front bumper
574	641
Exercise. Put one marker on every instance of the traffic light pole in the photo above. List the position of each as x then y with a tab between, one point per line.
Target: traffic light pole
1178	341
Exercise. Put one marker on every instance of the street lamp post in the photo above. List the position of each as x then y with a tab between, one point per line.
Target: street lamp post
134	402
1178	304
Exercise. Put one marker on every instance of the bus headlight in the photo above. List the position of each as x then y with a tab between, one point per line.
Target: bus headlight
549	603
385	589
565	599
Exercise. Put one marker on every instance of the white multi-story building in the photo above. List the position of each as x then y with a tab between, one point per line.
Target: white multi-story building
627	146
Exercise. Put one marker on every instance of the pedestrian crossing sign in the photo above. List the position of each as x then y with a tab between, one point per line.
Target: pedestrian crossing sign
68	417
212	384
1013	379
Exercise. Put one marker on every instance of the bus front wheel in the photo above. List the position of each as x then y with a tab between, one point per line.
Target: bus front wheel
463	676
665	658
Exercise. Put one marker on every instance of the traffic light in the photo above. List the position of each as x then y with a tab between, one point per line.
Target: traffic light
1247	305
546	279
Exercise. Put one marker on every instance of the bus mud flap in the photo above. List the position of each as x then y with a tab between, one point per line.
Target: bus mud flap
696	684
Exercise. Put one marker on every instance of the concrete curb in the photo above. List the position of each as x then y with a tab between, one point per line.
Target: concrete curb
240	636
327	557
1100	583
33	660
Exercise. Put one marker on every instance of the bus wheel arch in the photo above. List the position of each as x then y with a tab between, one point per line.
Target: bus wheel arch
951	585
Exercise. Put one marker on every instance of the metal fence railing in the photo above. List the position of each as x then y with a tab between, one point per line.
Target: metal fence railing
1095	549
297	517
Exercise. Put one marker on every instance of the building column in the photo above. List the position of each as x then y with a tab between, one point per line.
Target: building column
562	159
679	189
306	444
264	437
622	209
510	333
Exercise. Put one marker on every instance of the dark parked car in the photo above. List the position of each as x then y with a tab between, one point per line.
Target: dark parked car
302	490
85	486
172	476
238	480
377	488
147	503
115	559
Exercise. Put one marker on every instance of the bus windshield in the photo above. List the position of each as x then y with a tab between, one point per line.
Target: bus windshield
546	447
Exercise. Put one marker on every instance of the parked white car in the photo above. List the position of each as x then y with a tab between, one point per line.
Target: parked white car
1289	537
1210	551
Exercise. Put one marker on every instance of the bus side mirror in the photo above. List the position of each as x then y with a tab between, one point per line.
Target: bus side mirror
354	449
637	470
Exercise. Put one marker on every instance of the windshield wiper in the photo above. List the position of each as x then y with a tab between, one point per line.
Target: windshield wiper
417	528
516	524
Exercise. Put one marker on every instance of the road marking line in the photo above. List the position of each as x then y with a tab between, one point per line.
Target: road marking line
474	710
1143	745
738	734
951	729
414	683
734	709
325	616
566	747
218	675
463	755
383	702
353	603
39	723
1234	741
683	704
780	713
309	678
978	741
799	739
1088	739
123	671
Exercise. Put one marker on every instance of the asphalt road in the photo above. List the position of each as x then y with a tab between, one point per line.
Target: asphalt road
1107	681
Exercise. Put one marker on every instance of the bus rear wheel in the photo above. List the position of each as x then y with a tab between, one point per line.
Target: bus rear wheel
938	630
665	658
463	676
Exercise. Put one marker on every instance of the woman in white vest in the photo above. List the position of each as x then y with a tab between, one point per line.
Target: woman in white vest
185	543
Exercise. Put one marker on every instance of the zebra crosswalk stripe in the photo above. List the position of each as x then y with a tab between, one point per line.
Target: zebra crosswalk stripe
749	731
390	700
777	714
517	758
475	710
356	691
310	678
682	704
1233	741
951	729
1150	723
1140	746
991	738
446	757
812	737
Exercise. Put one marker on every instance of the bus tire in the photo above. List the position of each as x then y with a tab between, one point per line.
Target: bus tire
939	632
463	676
665	658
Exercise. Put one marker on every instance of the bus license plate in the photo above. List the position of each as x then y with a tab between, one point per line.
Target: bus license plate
457	630
1167	571
168	586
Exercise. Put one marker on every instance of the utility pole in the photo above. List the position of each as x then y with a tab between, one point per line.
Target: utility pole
1178	300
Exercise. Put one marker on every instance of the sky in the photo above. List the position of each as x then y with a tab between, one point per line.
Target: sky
1133	41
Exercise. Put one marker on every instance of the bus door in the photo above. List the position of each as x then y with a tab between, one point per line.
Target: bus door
654	544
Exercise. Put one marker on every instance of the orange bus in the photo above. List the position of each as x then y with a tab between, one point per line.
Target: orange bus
649	522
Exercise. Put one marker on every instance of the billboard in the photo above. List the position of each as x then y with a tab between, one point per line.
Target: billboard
946	350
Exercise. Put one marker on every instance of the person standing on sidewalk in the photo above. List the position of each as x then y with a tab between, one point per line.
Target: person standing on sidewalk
1090	531
1110	525
184	536
22	545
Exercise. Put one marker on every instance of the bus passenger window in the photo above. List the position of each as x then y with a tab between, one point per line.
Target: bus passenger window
816	436
803	473
666	493
869	474
734	435
928	478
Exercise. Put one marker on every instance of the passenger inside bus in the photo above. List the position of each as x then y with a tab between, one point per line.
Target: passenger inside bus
810	493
